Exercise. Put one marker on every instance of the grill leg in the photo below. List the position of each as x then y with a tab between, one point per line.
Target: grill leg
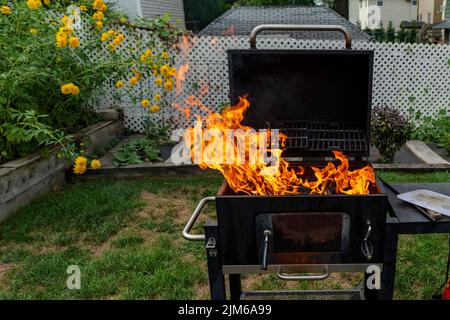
386	291
216	278
235	286
390	260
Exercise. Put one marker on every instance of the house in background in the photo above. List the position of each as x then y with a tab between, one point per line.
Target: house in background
242	20
444	25
376	13
353	11
153	8
431	13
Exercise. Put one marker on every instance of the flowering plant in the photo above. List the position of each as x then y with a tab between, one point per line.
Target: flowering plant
56	58
48	75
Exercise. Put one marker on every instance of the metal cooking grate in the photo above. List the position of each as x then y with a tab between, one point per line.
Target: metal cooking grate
304	295
323	136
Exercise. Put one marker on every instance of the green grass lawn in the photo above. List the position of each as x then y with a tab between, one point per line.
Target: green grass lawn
126	238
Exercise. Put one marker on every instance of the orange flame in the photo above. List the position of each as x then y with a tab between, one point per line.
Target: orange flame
241	158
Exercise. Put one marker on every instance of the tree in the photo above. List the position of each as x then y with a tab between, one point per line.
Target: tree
402	35
276	2
379	33
340	6
203	12
368	31
390	32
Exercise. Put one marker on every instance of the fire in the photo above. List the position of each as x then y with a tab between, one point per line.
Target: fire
240	153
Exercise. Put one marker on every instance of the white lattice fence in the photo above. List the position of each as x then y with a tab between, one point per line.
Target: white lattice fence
406	76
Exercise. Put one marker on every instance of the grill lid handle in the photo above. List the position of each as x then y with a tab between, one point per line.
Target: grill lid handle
300	27
187	228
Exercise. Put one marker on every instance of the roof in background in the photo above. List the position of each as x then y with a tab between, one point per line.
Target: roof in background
242	20
442	25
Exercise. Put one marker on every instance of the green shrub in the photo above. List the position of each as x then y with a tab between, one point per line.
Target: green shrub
433	129
390	32
389	131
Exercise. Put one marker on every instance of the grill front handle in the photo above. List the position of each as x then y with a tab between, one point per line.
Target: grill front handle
300	27
298	277
188	227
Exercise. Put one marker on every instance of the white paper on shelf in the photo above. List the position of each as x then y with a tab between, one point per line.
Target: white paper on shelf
428	199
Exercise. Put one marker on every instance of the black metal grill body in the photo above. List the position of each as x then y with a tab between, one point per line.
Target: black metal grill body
320	99
241	237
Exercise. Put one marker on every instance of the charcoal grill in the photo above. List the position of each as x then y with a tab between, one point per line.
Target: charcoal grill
321	100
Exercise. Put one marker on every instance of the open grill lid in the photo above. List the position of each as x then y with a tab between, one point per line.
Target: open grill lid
321	99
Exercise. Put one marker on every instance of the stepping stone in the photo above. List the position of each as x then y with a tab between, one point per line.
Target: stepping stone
424	152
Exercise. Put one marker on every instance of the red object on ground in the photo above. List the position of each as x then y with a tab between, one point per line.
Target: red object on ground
446	294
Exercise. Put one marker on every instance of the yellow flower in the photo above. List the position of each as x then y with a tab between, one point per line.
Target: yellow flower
98	16
79	169
33	30
111	46
116	41
154	108
47	2
165	70
148	53
157	97
121	37
65	20
34	4
74	42
168	85
83	8
61	39
5	10
105	37
80	165
99	25
80	161
119	84
69	88
96	164
66	29
111	33
165	55
145	103
158	82
133	81
103	8
144	58
97	4
173	72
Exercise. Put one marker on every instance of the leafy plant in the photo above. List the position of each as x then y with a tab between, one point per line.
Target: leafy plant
390	130
433	129
153	132
136	152
24	131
